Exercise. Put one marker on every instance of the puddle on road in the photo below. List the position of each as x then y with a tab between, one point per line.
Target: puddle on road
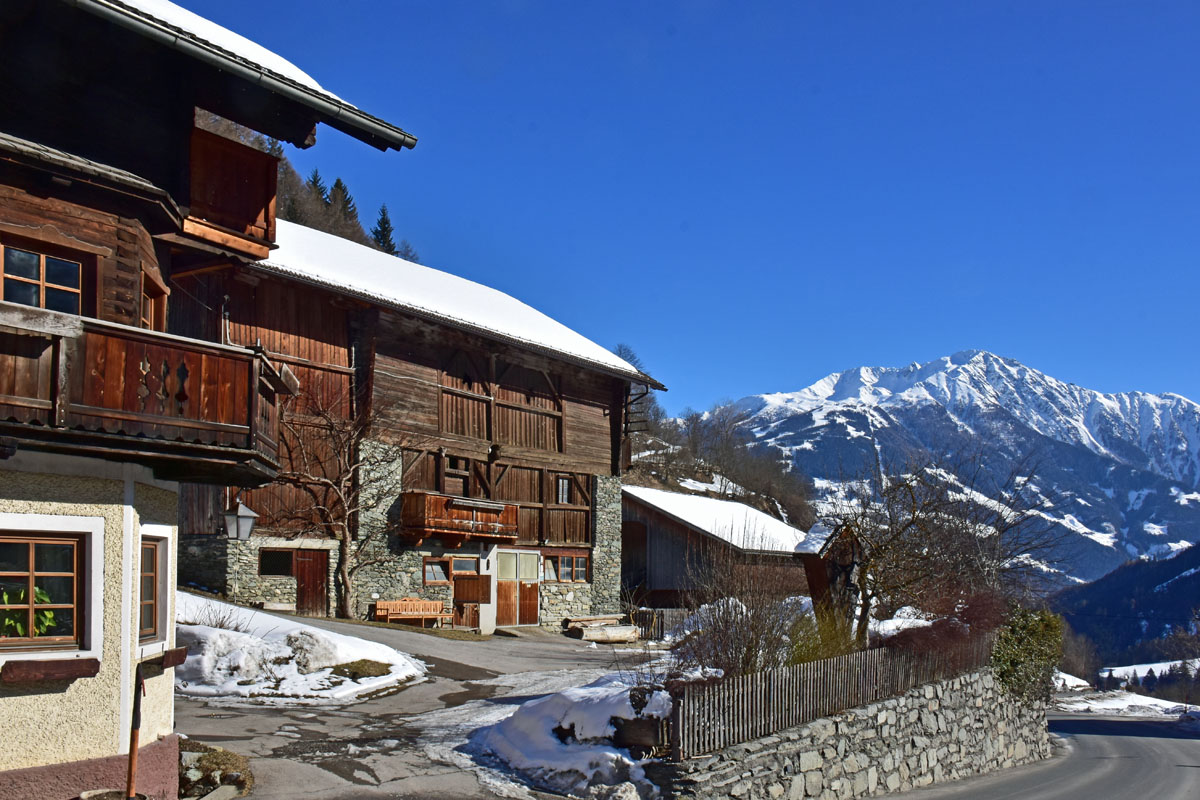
471	691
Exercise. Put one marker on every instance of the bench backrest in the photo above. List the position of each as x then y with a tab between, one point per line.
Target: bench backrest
410	606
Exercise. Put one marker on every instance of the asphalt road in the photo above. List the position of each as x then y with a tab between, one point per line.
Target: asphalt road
1106	758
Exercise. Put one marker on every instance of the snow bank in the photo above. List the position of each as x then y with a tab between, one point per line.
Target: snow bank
563	741
273	656
904	619
1069	683
1121	703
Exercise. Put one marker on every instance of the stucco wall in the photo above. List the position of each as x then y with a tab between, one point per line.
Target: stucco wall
62	721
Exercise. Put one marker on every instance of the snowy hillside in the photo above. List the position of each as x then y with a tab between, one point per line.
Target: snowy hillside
1121	472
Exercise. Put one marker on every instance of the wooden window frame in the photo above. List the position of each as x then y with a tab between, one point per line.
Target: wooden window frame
291	562
152	308
79	599
575	568
154	548
82	294
451	572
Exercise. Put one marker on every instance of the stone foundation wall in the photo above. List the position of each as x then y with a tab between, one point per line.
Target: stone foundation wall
562	600
229	567
606	550
937	732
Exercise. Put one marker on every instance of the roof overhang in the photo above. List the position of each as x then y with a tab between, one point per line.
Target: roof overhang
328	109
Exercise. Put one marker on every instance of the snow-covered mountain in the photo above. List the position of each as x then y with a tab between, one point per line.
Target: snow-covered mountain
1123	469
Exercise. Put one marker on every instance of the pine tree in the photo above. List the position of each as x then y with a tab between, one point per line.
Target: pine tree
381	234
343	203
1150	682
317	186
408	252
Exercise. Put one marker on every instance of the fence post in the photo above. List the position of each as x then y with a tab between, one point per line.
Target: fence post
675	727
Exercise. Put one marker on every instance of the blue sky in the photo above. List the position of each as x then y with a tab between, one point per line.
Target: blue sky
754	195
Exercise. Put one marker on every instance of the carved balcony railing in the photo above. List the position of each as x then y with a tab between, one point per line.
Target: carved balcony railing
191	410
428	514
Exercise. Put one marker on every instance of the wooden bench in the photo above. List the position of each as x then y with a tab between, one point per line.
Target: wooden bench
412	609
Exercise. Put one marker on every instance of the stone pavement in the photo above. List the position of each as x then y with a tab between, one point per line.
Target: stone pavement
404	744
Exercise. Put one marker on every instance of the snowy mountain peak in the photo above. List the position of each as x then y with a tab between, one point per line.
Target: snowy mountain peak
1130	461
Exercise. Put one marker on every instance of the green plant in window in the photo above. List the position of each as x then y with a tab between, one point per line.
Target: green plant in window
14	623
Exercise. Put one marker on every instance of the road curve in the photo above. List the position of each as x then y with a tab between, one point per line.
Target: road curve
1106	758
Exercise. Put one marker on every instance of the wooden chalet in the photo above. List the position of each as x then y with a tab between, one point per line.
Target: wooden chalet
675	545
504	502
109	195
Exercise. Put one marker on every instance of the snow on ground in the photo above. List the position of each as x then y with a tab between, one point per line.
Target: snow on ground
1069	683
719	484
1159	668
1162	587
1121	703
562	741
904	618
273	657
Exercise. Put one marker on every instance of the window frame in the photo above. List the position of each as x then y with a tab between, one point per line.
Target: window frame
154	546
576	567
86	292
152	306
31	540
163	537
90	531
425	561
291	573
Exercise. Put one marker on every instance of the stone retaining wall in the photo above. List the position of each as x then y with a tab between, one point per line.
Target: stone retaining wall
937	732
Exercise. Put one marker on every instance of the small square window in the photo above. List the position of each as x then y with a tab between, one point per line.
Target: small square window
276	562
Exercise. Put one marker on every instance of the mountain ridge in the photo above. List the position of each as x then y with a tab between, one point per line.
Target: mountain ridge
1126	465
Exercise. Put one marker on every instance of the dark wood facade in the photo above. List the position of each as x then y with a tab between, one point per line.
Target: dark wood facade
665	562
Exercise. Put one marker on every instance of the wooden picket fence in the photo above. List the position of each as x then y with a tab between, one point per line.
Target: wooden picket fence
706	718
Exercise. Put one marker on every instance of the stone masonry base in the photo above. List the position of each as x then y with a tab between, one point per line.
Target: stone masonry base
937	732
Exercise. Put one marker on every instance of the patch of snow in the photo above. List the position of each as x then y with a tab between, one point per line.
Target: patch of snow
274	657
719	484
563	741
1162	552
356	269
1151	529
1184	499
1137	498
1120	703
1162	587
904	619
1069	683
1159	667
736	523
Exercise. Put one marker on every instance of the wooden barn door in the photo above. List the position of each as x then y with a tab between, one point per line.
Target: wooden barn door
516	589
312	582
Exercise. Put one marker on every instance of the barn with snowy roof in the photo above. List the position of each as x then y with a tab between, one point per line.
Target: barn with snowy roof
672	543
500	496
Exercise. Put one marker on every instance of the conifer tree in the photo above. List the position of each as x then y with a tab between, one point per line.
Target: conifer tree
1150	682
317	186
343	203
381	234
408	252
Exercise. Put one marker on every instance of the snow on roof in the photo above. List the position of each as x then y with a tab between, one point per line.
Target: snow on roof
207	30
340	264
737	523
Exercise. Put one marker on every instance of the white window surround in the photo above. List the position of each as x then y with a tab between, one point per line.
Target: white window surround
166	606
92	529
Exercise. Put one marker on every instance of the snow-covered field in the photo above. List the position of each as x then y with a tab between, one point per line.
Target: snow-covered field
1159	668
274	657
1126	704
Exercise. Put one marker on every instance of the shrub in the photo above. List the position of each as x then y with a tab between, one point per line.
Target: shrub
1027	650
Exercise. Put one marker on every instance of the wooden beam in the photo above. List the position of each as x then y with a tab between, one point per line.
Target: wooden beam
28	671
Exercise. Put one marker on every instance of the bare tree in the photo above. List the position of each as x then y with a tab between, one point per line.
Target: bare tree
934	533
337	475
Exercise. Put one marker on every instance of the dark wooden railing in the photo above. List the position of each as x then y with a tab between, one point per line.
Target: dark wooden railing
193	410
425	514
706	718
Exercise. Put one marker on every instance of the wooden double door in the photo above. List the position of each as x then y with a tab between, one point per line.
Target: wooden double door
517	588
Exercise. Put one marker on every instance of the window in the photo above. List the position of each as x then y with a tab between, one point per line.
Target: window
153	314
437	570
43	281
148	627
563	493
41	591
465	566
275	562
528	567
565	569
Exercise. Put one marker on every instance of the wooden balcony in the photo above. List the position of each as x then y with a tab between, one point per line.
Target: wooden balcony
191	410
232	203
458	519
